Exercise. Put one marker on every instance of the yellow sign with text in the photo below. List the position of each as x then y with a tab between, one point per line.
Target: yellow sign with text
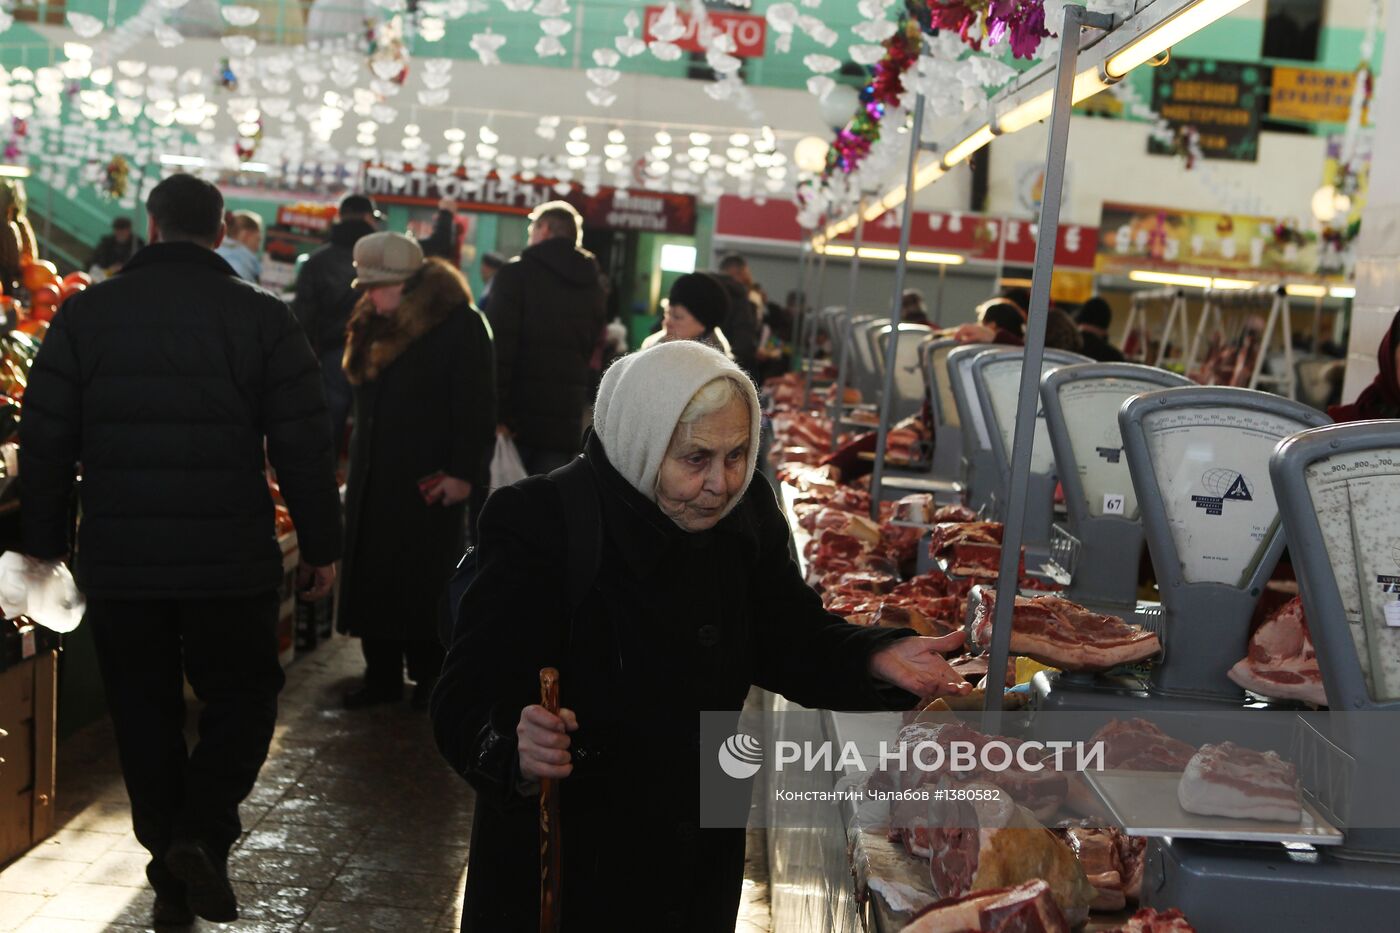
1312	95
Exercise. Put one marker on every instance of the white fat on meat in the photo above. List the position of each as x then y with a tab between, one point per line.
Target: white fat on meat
1230	780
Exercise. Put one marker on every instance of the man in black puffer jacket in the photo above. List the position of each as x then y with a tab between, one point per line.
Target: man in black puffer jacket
167	383
547	315
325	296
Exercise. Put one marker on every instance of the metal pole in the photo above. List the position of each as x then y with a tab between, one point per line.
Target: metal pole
812	331
799	324
838	392
1008	578
938	305
906	223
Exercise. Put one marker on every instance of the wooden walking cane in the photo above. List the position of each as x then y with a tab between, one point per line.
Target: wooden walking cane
550	887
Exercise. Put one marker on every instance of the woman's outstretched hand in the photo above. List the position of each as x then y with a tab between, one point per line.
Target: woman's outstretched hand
543	742
915	665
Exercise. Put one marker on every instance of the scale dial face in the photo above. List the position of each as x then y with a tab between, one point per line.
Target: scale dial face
1002	379
1090	409
944	381
1212	468
969	387
1357	498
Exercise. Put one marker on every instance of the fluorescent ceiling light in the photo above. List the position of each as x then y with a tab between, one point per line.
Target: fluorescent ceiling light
892	255
1344	291
1188	281
14	171
1170	278
1168	33
168	159
677	257
1307	291
979	138
261	167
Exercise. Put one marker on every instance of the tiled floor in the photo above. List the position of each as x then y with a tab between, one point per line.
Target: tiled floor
356	825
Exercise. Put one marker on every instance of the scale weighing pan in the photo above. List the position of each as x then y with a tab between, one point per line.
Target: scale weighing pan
1199	460
1144	803
996	376
1098	554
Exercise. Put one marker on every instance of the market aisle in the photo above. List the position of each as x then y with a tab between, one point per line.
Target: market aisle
356	825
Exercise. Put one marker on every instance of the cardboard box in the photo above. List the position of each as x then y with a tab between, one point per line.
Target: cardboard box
28	720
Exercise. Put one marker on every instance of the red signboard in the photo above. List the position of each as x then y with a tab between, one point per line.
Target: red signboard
609	209
978	237
750	33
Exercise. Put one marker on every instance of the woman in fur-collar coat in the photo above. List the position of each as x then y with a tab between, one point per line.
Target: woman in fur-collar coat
419	357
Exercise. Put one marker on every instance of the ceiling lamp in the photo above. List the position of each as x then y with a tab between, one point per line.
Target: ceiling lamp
810	154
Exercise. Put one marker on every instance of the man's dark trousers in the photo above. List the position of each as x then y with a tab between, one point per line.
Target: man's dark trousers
228	649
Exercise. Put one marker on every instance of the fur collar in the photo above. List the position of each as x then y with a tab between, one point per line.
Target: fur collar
374	342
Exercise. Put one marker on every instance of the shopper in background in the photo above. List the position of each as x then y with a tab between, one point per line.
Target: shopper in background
912	309
998	321
695	309
491	263
1380	399
325	296
167	383
1094	317
546	313
1060	332
742	324
419	358
242	245
696	598
114	249
1020	297
445	241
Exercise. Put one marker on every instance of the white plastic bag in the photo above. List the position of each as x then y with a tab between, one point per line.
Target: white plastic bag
45	592
506	467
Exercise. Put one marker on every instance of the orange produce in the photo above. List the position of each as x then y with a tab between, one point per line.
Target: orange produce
77	278
43	301
39	273
69	290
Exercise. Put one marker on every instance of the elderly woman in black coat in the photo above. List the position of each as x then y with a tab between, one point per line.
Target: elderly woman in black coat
419	358
691	598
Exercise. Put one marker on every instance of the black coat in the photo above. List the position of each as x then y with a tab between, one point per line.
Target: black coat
424	402
1099	349
164	382
324	298
547	313
110	254
741	325
677	623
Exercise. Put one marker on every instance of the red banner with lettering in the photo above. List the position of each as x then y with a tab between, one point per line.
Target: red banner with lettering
750	33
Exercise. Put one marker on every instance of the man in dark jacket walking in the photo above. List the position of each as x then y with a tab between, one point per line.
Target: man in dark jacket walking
325	297
547	314
173	384
741	325
115	248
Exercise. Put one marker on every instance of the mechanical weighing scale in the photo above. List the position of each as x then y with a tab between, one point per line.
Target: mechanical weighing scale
1338	490
1199	459
1095	554
941	477
996	377
978	468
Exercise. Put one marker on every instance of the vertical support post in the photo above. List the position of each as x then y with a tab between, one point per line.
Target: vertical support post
817	308
799	326
1008	577
916	134
938	305
838	391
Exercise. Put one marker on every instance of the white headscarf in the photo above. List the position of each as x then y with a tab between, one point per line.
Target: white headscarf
642	397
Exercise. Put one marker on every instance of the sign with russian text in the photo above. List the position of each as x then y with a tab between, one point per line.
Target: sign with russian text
1312	95
1219	100
750	33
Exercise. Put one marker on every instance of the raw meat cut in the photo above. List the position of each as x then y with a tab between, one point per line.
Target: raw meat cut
1112	861
1026	908
954	513
916	509
860	581
970	549
975	845
893	615
1231	780
1281	662
1139	745
1148	920
1065	635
